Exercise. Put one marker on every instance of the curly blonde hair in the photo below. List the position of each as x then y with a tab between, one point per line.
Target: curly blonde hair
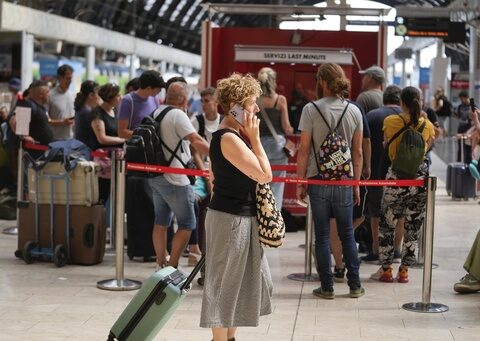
236	89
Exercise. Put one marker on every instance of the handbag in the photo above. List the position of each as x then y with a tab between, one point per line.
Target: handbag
271	227
105	163
289	148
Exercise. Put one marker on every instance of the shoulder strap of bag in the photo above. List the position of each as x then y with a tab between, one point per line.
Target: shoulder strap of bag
131	112
321	115
201	125
267	120
173	153
398	133
341	117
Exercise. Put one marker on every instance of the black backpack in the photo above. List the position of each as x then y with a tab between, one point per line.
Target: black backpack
145	145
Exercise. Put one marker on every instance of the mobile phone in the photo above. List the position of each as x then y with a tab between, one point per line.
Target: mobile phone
237	112
472	104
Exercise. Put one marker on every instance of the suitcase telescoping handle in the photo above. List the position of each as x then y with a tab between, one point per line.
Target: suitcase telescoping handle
195	271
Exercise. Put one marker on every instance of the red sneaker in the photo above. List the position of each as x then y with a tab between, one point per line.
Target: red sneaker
402	276
383	275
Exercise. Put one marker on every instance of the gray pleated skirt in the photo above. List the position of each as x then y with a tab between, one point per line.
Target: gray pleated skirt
238	286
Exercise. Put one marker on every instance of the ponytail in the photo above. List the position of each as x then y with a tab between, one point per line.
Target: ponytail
411	98
79	101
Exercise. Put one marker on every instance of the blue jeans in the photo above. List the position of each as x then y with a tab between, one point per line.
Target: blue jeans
276	156
337	202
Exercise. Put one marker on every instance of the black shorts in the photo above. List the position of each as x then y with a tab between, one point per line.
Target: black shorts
359	210
374	201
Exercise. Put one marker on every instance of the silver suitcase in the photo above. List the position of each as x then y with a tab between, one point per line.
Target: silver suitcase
83	184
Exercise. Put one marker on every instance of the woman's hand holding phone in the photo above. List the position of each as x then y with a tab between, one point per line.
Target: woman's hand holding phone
251	126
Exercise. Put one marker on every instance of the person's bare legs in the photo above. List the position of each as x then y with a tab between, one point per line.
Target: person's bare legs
374	227
357	221
180	240
220	334
159	238
231	332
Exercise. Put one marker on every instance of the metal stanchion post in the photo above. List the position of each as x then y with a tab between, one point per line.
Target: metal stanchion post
307	276
20	184
113	203
119	282
426	306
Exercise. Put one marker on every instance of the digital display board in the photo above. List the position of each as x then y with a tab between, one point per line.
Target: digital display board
451	32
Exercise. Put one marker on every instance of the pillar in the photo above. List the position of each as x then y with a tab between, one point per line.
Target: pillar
474	65
89	62
27	59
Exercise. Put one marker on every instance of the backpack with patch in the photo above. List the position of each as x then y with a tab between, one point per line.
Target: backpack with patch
334	159
410	151
145	145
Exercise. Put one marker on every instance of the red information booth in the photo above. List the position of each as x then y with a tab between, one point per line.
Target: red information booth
247	50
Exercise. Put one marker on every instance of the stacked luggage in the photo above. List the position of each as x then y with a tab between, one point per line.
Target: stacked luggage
460	183
62	220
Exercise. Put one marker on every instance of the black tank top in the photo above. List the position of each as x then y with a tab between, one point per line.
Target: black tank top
233	191
274	115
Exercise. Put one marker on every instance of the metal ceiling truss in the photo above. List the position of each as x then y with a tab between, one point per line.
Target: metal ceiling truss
142	17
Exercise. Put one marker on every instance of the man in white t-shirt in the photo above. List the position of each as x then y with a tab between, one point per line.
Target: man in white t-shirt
172	193
207	122
60	105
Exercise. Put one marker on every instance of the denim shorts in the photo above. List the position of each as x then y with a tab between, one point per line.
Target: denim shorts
169	200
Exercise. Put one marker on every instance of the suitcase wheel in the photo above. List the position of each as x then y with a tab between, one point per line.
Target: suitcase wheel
27	252
60	255
18	254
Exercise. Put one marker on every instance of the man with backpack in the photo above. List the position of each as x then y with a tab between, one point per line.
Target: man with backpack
332	128
408	136
172	193
140	103
134	107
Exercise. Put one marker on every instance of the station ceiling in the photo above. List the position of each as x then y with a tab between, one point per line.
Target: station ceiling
174	23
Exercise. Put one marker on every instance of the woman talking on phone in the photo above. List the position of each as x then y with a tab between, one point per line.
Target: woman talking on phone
238	286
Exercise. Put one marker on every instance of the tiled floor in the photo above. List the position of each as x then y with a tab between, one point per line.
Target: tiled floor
41	302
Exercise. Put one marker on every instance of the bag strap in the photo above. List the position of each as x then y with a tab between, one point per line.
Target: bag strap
324	120
173	153
201	125
131	112
405	127
268	122
341	117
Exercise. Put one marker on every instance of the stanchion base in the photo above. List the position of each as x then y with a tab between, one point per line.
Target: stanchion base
420	266
303	277
11	231
119	285
420	307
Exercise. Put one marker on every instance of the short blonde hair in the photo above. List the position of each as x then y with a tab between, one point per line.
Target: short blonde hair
268	80
236	89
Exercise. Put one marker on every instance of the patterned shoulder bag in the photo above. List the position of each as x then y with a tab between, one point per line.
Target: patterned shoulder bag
271	228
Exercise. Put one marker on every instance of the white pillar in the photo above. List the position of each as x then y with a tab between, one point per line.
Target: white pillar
163	67
133	69
27	59
403	80
474	64
90	62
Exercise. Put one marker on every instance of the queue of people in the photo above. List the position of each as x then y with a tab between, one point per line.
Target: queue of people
339	140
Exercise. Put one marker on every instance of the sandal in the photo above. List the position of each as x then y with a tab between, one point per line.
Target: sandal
193	259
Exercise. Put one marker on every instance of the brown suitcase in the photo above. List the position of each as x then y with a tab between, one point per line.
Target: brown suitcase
87	233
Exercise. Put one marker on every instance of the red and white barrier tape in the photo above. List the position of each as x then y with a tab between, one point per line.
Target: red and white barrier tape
197	172
290	168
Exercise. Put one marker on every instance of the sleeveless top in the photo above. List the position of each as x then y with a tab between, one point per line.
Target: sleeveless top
233	191
274	115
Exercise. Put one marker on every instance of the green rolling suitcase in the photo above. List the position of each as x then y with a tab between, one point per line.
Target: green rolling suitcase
153	305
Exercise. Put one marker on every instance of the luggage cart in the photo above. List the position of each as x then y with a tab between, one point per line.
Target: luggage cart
60	253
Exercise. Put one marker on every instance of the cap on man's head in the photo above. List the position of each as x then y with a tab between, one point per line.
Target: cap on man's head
15	84
376	72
